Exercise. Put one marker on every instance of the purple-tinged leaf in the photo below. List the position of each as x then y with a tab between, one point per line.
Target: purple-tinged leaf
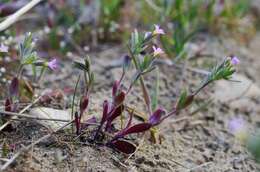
138	128
9	8
77	123
155	118
130	120
113	115
105	111
88	122
91	120
83	104
115	88
123	146
8	105
119	99
14	87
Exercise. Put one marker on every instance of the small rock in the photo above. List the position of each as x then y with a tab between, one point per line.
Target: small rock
43	112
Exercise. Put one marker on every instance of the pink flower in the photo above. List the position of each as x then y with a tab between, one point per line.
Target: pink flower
158	30
3	48
157	51
53	64
234	60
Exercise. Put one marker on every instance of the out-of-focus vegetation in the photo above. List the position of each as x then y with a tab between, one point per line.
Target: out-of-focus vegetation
184	19
96	21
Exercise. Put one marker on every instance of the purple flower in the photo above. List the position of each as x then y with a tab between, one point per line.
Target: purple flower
237	126
3	48
53	64
155	118
234	60
157	51
158	30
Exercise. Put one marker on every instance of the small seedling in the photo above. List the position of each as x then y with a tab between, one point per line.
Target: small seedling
84	100
28	57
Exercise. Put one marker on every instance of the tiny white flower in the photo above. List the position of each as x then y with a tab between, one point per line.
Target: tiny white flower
2	69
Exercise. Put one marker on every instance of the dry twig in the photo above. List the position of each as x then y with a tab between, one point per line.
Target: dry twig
14	17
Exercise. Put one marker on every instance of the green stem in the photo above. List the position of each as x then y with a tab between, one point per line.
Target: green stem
143	86
86	82
41	74
73	99
34	72
20	70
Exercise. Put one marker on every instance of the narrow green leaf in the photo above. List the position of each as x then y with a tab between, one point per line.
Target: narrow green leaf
155	91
